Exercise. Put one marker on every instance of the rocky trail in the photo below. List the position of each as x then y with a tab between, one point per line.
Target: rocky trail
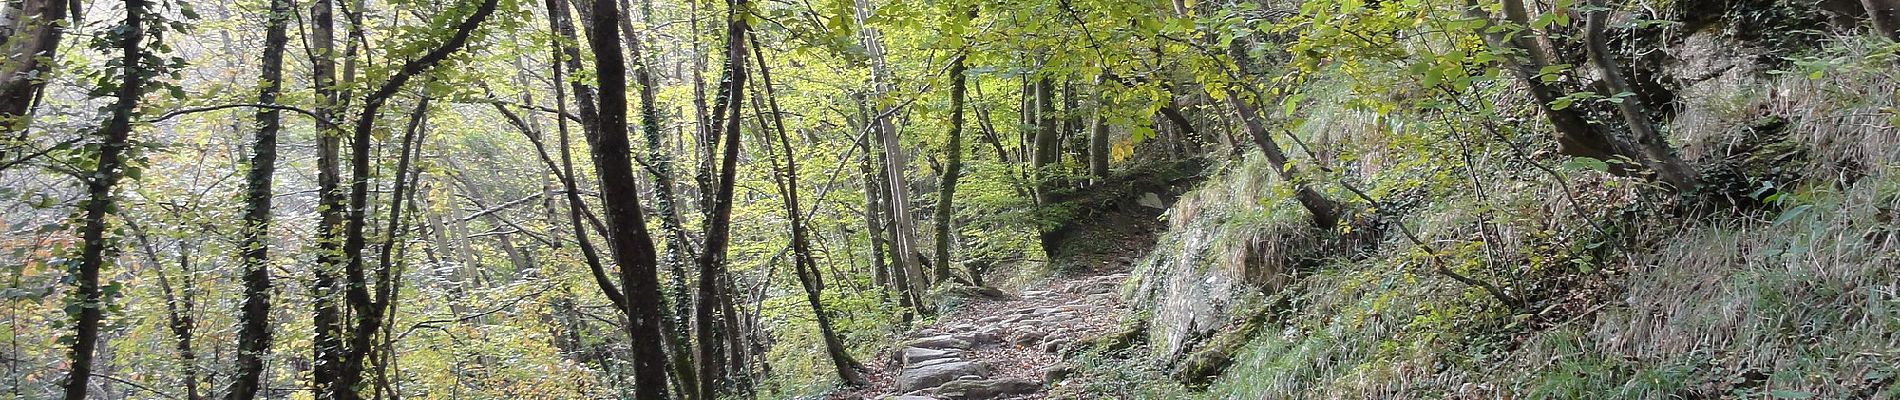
999	348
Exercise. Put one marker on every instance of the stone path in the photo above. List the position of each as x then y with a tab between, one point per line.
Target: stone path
998	349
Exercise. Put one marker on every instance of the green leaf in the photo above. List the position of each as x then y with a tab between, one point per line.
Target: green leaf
1789	215
1583	163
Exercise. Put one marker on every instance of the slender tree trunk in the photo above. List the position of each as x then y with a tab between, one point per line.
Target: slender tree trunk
178	308
1098	137
905	254
35	35
1046	142
873	220
369	310
712	260
95	247
327	317
805	265
952	169
386	262
1325	211
679	248
1575	136
1885	16
1655	149
254	332
633	245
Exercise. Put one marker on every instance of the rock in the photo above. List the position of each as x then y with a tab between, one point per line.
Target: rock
987	389
985	336
1043	311
907	397
1058	372
945	360
913	355
929	376
990	320
941	342
1151	200
1037	294
1026	338
1056	344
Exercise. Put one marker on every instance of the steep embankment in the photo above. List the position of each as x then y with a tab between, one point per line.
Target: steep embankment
1786	289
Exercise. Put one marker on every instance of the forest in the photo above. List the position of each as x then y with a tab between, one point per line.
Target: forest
950	199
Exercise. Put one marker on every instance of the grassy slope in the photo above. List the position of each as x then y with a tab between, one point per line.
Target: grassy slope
1788	300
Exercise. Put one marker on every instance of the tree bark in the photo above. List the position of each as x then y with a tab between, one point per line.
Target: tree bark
904	250
873	220
952	170
1657	155
1575	136
1098	137
1325	212
35	35
714	300
633	245
1047	143
369	310
178	308
805	265
1885	16
326	317
94	248
254	331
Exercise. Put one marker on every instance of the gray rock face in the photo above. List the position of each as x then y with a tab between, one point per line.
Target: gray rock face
932	375
987	389
914	355
960	342
907	397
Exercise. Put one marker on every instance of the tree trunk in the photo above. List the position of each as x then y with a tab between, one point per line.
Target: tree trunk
1575	136
178	308
254	332
1047	143
806	266
1325	211
1098	138
633	245
326	317
1885	16
904	249
369	310
1656	152
873	220
714	300
35	34
952	169
99	201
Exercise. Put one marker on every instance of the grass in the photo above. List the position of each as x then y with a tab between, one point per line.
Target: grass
1797	297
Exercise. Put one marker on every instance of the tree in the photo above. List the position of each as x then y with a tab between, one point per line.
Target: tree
30	31
254	336
953	161
896	161
627	232
114	143
805	265
1576	135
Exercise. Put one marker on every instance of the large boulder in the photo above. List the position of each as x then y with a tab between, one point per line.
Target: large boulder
986	389
934	374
